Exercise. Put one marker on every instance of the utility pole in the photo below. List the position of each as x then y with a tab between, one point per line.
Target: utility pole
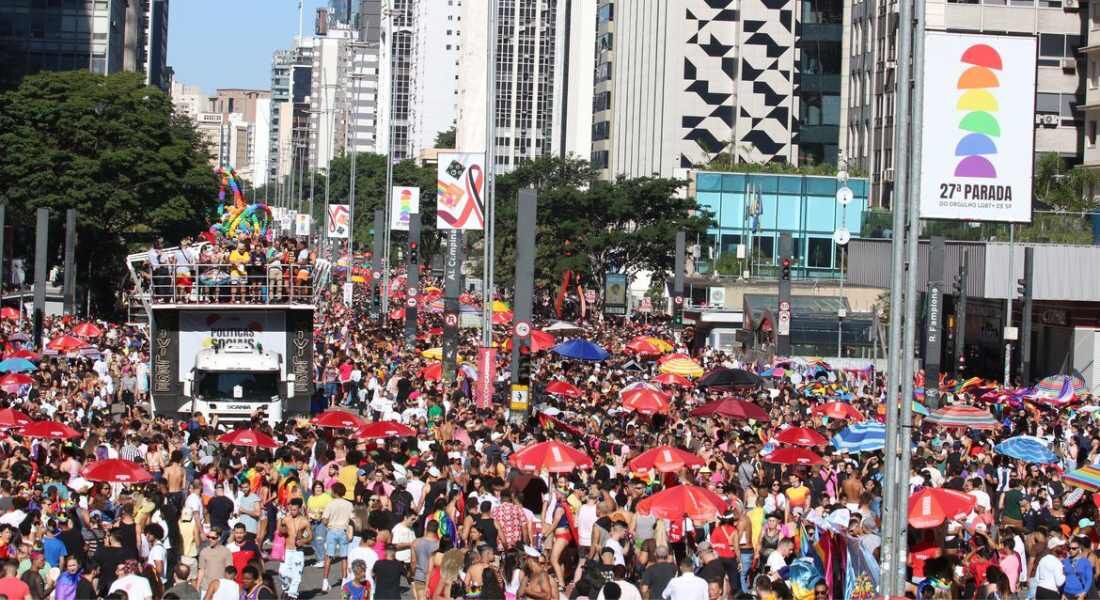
1026	288
490	176
933	336
388	47
412	280
960	313
41	243
783	312
678	281
69	282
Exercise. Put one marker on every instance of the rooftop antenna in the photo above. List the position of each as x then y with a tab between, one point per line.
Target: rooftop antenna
301	16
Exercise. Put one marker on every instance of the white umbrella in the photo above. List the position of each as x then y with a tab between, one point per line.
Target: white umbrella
562	328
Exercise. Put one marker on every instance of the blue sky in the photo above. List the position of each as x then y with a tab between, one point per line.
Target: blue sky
228	43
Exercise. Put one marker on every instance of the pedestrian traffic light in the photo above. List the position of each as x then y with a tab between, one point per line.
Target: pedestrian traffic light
786	272
414	256
1023	286
524	365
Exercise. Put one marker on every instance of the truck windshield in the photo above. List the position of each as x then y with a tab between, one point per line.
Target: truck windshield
253	386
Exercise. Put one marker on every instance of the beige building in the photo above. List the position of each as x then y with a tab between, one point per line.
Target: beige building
233	123
1091	108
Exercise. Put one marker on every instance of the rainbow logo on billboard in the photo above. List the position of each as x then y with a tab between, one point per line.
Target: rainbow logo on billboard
979	126
406	204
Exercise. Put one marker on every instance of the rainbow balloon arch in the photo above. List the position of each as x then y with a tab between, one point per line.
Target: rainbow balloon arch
239	217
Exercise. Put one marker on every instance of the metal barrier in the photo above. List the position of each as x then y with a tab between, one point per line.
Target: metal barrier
205	283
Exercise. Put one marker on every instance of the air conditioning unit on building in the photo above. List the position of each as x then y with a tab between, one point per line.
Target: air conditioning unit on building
891	65
1069	5
717	297
888	175
1069	64
1050	120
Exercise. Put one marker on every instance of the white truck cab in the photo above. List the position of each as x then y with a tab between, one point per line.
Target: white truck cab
234	382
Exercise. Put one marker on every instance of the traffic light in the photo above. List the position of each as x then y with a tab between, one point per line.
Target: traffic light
1023	287
524	366
678	318
414	254
785	275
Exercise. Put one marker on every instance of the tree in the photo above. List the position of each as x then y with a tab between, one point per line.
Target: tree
110	147
446	138
1064	188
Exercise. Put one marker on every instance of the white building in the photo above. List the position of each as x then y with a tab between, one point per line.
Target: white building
541	59
437	37
261	142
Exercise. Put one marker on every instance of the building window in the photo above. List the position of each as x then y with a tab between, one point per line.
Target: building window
599	159
1092	134
819	253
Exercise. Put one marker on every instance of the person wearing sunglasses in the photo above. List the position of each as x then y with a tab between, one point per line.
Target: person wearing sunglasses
1078	571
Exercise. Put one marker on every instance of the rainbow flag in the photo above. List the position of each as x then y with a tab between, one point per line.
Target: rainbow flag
969	383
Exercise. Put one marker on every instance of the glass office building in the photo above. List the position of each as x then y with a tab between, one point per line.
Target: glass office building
752	209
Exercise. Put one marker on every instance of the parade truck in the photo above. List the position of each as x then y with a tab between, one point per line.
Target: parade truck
225	361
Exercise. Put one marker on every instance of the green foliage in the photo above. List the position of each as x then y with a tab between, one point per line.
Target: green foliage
446	138
1064	188
591	226
723	163
111	148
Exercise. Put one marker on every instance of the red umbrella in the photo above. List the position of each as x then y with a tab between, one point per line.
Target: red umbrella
540	340
838	410
672	356
16	379
563	388
665	459
432	372
435	331
672	379
27	354
397	314
552	456
49	429
642	347
502	318
698	504
87	330
13	419
249	438
9	313
384	429
646	401
801	436
337	419
66	343
115	470
793	456
731	407
931	506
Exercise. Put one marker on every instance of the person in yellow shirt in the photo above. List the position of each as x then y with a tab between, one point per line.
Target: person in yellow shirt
349	474
238	273
315	509
798	495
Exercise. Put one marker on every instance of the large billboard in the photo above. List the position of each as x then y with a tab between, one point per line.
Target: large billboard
460	185
406	202
978	135
199	328
339	220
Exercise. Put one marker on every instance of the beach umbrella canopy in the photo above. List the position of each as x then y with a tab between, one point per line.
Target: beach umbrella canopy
725	377
642	347
115	470
684	367
665	459
1087	478
838	410
1065	396
432	372
866	436
17	365
646	401
538	341
433	353
384	429
19	337
793	456
1053	384
50	430
801	436
696	503
963	416
9	313
581	350
931	506
662	345
87	330
502	318
563	388
731	407
66	343
499	306
13	419
563	328
248	438
672	379
16	379
672	356
337	419
552	456
25	354
1028	449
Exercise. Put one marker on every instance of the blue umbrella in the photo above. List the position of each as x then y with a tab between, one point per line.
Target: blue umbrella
17	365
581	350
1026	448
861	437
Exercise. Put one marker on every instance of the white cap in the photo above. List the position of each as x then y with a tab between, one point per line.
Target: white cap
1054	542
529	551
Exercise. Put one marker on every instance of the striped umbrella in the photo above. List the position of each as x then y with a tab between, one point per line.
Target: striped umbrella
1026	448
1087	478
963	416
867	436
1065	396
684	367
1053	384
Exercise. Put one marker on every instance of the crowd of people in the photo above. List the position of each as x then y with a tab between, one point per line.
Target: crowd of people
442	511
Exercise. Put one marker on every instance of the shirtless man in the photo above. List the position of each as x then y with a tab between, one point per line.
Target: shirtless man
176	477
296	529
